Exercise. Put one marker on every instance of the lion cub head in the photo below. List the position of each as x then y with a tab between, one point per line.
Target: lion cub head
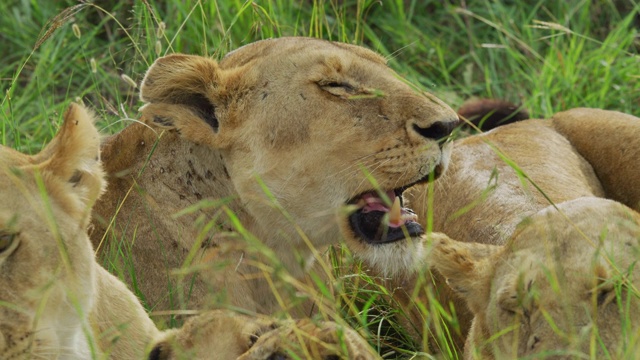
47	276
306	127
566	284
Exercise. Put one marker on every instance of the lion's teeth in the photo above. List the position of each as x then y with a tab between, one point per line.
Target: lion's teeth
395	213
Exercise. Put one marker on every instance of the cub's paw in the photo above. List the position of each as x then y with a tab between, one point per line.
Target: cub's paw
305	339
217	334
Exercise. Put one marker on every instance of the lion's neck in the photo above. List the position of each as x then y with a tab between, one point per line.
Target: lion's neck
184	186
180	200
114	306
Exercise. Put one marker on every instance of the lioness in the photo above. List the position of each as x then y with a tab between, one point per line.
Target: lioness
56	302
565	284
279	137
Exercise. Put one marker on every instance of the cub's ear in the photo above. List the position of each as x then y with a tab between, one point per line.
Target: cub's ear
180	94
468	268
72	158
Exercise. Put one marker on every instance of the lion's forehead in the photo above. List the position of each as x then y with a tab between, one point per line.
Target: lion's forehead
573	227
575	258
289	46
13	197
553	278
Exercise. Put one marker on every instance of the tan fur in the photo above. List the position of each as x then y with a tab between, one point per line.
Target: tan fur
552	288
56	301
608	141
481	197
304	117
224	335
574	154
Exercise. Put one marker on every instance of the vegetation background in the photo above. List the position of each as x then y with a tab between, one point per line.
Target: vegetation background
546	55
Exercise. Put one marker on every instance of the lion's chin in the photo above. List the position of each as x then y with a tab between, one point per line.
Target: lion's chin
395	259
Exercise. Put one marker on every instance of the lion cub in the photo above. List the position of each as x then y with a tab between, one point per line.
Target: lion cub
565	284
56	301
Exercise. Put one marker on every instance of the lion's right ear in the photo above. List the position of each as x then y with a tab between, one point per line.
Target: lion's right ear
468	268
180	93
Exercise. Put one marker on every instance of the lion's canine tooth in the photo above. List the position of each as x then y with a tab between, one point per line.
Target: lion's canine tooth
395	213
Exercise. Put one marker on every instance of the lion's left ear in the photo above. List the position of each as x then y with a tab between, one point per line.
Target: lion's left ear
72	158
179	92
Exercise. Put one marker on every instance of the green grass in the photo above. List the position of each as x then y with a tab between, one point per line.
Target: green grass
547	55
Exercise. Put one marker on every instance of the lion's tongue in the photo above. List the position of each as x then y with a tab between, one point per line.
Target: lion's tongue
375	203
397	215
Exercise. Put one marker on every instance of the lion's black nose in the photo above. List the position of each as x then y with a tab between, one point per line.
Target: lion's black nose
437	130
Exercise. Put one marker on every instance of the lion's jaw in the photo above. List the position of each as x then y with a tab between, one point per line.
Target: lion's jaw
304	127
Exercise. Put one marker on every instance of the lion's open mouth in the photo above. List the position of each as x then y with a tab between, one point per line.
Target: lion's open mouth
381	218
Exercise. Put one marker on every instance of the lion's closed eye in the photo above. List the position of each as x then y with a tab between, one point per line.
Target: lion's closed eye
262	329
605	296
605	290
510	305
338	88
8	243
605	293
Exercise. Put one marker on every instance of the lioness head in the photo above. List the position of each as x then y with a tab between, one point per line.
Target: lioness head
565	285
47	276
305	127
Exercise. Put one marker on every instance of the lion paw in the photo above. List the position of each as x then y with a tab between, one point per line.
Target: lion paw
310	340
